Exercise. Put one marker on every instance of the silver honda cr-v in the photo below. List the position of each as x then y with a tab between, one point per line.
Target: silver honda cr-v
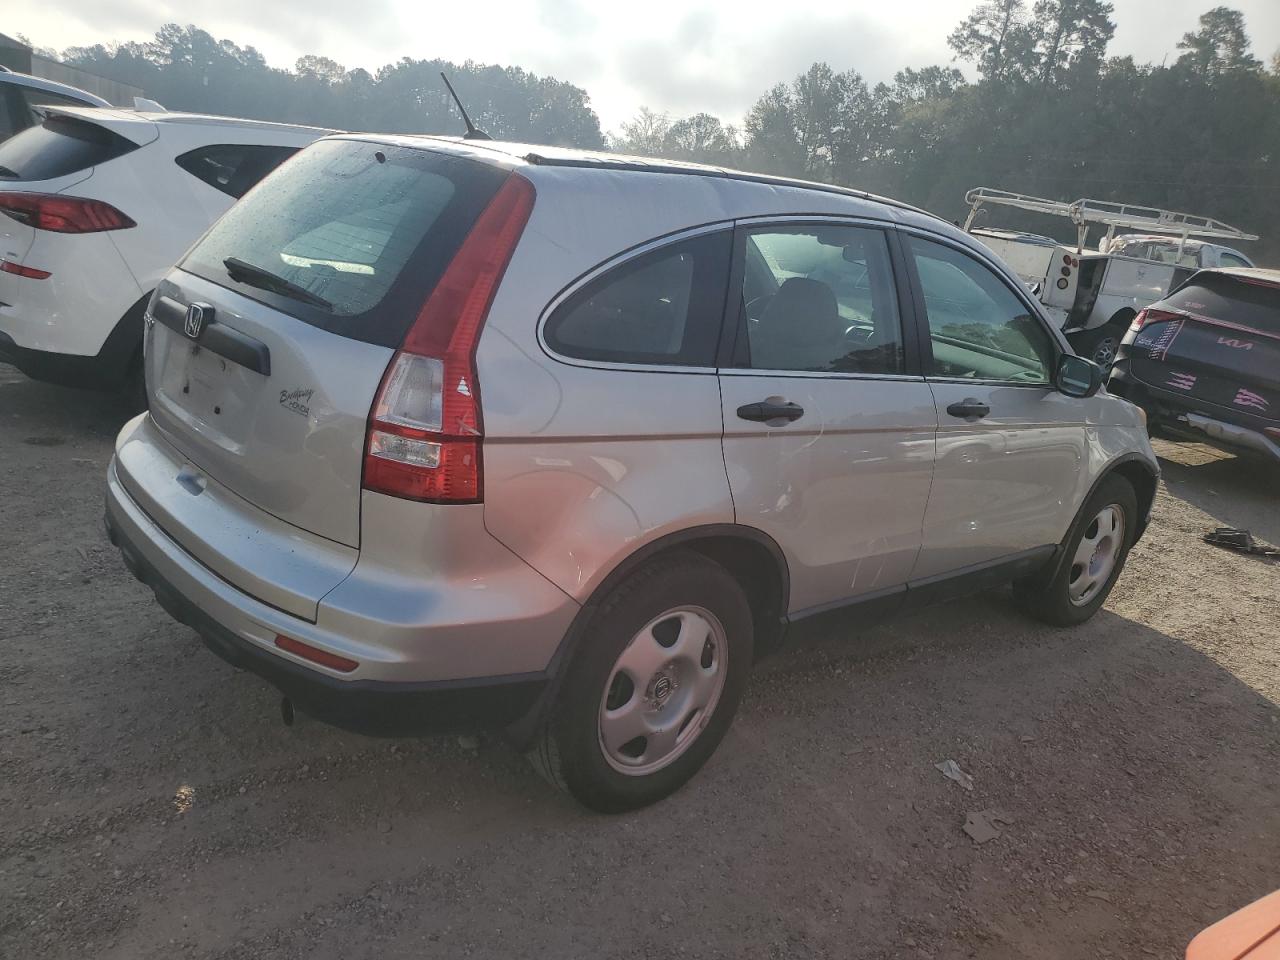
451	433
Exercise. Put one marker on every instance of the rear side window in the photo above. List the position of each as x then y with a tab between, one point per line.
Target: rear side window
58	147
363	229
1231	260
1218	296
233	168
661	308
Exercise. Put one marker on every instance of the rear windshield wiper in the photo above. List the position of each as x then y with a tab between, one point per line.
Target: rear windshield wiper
245	272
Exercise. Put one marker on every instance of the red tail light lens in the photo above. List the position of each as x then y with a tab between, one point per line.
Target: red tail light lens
1151	315
425	428
51	211
17	269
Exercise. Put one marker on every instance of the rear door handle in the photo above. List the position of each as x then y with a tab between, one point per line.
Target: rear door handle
969	409
766	410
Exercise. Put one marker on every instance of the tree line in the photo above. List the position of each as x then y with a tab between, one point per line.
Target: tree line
1049	113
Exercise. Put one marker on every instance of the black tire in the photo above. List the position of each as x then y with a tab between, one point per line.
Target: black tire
568	750
135	386
1100	345
1047	596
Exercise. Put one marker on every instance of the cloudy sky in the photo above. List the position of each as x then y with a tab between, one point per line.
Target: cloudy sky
678	56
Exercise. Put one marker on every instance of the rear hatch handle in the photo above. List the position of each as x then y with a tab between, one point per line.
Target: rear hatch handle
196	322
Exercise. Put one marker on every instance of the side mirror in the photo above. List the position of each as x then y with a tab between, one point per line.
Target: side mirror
1078	377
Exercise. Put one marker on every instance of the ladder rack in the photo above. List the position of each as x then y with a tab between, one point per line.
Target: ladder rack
1112	215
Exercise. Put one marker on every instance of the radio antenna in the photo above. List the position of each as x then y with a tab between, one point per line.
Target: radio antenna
472	133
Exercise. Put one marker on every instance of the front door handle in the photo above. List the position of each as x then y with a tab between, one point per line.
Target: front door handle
767	410
969	409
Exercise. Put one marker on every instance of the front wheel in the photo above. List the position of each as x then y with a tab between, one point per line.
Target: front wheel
653	686
1102	344
1096	550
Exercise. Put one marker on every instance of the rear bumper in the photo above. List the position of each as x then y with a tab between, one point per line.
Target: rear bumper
373	707
1174	412
242	631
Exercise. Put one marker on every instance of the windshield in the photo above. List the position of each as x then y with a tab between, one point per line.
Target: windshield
328	236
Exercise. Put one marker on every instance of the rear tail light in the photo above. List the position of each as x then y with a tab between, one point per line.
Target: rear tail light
1151	315
17	269
51	211
425	430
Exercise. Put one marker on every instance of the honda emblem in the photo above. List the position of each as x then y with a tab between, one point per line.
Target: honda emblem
196	313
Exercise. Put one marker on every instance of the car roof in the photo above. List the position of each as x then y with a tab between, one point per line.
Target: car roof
52	86
121	115
542	155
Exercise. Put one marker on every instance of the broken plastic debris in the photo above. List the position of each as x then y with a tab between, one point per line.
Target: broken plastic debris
1240	541
951	770
981	826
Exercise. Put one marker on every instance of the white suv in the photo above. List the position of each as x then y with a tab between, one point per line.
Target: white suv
97	205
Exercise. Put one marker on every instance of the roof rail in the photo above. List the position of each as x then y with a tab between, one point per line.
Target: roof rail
604	161
1085	212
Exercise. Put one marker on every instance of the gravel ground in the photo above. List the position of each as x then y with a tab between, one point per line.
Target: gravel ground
154	806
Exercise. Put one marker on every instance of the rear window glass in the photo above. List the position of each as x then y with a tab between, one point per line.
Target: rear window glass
1217	296
360	231
59	146
233	168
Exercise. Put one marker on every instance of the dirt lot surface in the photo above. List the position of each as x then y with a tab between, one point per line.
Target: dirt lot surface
154	806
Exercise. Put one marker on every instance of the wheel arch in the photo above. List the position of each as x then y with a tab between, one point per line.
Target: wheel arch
1134	469
1143	478
751	556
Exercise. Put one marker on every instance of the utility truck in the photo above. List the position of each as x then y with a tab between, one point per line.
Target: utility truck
1094	294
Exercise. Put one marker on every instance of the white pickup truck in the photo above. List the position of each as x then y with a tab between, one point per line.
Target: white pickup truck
1095	294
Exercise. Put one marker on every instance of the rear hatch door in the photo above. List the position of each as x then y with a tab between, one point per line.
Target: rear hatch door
1216	340
270	341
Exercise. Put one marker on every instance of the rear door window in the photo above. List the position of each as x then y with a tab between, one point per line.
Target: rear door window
233	168
58	147
821	299
661	308
364	228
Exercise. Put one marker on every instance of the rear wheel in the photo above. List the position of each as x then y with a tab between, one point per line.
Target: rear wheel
1095	554
653	687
